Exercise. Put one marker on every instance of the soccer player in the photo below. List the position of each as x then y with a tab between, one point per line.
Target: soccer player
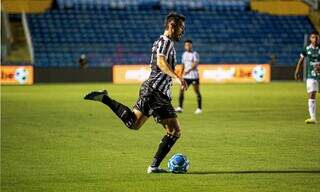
312	54
190	61
155	93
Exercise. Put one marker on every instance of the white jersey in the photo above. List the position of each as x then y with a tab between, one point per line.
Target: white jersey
188	58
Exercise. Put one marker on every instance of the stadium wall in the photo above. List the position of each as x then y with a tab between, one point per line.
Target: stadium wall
53	75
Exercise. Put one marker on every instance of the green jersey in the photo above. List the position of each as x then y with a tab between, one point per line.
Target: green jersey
312	55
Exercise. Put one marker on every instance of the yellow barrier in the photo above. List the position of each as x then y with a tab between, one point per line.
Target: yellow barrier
28	6
280	7
237	73
16	75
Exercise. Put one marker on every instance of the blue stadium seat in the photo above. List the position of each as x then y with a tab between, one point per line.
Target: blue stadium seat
126	36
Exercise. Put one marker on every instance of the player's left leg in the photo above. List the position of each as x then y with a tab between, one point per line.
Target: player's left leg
140	119
312	87
133	119
196	88
312	107
179	109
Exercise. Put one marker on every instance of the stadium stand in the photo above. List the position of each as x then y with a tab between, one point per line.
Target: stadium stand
147	4
122	32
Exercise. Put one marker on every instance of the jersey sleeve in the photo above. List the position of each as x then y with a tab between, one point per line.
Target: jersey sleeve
303	52
196	57
163	47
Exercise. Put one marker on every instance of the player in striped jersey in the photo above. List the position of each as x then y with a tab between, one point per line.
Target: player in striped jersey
155	93
190	61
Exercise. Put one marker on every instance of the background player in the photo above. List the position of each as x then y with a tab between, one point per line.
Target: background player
312	54
155	93
190	61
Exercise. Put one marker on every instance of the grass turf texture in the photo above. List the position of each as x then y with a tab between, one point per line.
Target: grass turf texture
249	138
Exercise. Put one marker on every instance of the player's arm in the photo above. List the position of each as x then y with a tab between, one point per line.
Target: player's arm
182	70
193	66
299	67
182	66
298	71
167	69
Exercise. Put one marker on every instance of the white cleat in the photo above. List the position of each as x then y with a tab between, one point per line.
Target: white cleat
311	121
198	111
156	170
179	110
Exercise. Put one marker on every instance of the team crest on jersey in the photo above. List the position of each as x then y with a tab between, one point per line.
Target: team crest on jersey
309	52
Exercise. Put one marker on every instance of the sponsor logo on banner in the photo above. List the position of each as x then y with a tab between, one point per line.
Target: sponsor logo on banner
130	73
249	73
229	73
16	75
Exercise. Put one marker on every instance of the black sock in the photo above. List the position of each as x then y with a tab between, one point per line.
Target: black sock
122	111
164	147
181	98
199	100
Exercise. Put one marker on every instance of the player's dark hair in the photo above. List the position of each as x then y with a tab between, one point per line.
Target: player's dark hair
175	17
314	33
188	41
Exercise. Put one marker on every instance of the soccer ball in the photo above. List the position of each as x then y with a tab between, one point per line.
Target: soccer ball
178	163
258	73
21	75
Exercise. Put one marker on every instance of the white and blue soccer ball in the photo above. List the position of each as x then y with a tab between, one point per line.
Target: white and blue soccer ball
21	75
178	163
258	73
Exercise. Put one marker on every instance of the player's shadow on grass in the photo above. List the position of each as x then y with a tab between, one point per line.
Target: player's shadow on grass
317	171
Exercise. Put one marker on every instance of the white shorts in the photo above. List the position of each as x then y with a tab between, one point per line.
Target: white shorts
312	85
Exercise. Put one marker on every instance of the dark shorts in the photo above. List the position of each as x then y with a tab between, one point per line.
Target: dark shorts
192	81
153	102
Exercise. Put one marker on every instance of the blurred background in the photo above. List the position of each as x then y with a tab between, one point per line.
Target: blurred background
81	40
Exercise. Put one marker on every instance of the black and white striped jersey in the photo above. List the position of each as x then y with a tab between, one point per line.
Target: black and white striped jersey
158	80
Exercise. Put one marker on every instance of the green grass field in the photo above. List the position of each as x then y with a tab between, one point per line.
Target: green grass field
249	138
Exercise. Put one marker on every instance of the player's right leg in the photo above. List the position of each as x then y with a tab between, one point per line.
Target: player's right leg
173	130
179	109
312	88
133	119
